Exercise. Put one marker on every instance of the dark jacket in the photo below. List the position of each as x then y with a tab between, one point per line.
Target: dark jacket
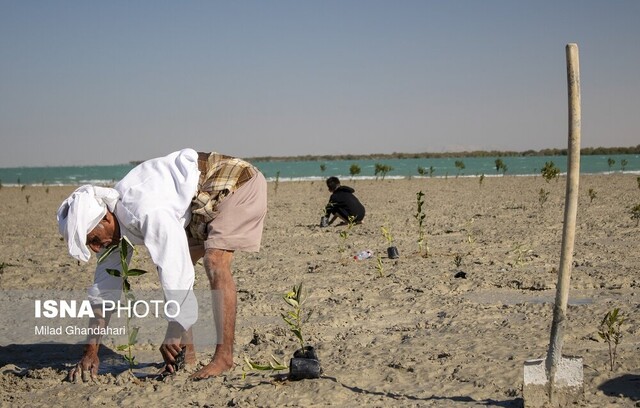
342	202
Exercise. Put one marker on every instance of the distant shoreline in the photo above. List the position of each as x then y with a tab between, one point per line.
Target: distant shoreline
587	151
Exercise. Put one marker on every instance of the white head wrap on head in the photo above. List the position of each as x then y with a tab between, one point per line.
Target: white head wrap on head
81	213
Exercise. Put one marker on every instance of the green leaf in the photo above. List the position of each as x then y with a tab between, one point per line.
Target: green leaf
106	253
122	347
133	336
136	272
273	365
292	302
126	239
124	250
113	272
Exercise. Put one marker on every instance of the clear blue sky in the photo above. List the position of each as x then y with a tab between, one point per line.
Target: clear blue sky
88	82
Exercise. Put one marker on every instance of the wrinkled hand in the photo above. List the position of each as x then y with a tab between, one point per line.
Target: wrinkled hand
87	367
171	346
170	354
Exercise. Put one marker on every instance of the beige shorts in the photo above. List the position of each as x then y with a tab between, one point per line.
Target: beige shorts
240	220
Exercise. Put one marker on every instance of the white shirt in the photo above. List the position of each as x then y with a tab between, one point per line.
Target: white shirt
153	209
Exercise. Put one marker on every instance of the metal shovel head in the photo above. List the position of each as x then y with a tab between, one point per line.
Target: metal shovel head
567	385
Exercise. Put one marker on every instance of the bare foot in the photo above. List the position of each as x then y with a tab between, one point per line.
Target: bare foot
216	367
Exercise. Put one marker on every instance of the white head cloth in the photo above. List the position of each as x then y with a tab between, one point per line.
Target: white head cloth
81	213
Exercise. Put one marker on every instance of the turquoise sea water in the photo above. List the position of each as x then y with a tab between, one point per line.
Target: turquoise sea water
311	170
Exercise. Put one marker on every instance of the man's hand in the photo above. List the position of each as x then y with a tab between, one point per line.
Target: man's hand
87	367
171	346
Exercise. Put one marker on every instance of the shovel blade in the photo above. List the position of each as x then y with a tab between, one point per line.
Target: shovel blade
567	386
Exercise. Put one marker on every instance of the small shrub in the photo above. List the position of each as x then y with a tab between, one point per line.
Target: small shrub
481	179
550	171
623	164
592	195
460	166
610	163
500	166
382	169
457	260
354	170
610	332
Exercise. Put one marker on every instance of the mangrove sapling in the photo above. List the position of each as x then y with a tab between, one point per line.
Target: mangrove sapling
420	216
521	252
294	318
460	166
550	171
422	171
277	182
354	170
382	169
469	223
392	251
637	180
481	179
635	213
323	167
379	266
431	171
543	196
344	234
125	273
500	166
610	162
610	332
592	195
457	260
623	164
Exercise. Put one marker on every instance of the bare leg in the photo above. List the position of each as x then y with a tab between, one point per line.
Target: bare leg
190	352
217	264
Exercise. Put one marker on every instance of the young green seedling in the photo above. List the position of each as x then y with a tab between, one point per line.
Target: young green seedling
380	266
610	332
125	273
521	252
457	260
543	196
420	216
294	319
387	235
344	234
